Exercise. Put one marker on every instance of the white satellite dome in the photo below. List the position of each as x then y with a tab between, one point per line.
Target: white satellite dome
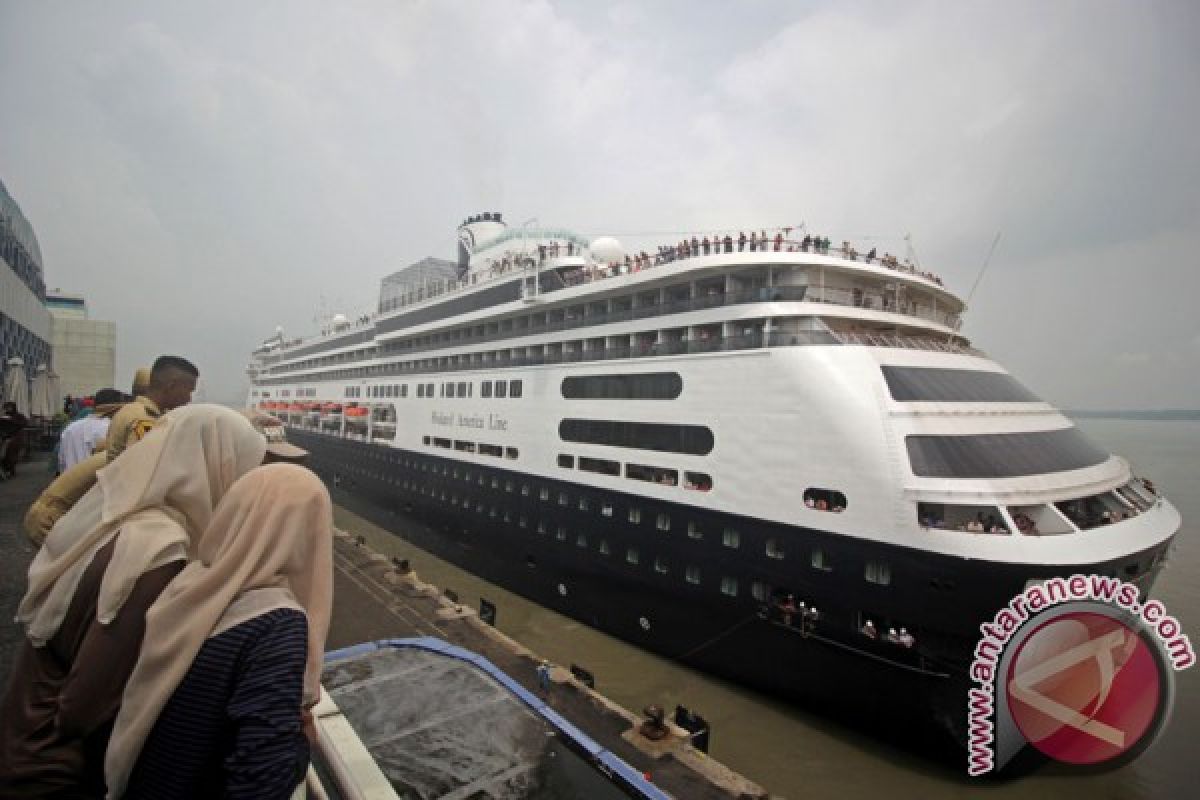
279	330
606	248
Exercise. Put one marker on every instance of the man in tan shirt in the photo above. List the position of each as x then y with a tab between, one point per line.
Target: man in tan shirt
172	381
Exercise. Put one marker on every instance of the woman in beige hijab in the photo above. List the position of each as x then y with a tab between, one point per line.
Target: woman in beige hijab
233	651
101	566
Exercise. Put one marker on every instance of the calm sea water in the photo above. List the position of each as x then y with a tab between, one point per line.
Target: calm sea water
796	754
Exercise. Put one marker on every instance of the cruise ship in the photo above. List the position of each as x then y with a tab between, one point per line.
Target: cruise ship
768	457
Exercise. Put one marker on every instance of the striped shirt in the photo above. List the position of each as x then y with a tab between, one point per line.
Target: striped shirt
232	728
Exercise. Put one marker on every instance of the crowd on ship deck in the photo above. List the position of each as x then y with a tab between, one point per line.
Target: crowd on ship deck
688	247
176	607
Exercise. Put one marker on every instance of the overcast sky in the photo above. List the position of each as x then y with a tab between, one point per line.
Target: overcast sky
203	172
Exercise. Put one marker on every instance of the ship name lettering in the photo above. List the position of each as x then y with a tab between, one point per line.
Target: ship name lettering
442	419
497	423
470	422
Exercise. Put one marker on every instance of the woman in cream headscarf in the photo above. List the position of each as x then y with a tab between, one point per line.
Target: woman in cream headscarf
233	651
102	565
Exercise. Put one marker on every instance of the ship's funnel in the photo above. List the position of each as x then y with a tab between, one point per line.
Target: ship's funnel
474	231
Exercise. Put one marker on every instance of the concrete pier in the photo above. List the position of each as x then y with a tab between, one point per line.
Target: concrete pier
374	599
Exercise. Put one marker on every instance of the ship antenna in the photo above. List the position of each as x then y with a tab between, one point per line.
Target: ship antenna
974	286
983	269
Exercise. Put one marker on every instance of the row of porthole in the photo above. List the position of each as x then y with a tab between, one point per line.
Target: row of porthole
876	572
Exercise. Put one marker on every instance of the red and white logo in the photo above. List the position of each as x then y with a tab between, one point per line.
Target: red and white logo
1085	688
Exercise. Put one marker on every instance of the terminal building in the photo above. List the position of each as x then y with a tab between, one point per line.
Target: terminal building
24	318
85	349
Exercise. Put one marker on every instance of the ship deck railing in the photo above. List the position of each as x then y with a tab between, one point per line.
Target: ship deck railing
669	255
598	272
777	294
665	348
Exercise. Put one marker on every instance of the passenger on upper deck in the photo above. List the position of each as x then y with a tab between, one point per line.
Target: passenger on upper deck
216	704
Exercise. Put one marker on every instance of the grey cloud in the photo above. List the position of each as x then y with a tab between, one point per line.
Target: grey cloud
204	172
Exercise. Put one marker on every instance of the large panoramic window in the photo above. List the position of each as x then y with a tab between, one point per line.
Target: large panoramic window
940	385
1001	455
644	386
694	440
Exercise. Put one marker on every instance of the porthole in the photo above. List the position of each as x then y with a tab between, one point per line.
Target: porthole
562	589
644	622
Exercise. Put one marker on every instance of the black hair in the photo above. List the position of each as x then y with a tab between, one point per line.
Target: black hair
165	364
106	396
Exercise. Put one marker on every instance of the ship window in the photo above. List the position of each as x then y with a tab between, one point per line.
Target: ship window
985	519
491	450
774	549
758	590
464	389
729	586
425	439
688	439
606	509
510	452
541	526
563	499
694	531
663	523
604	547
429	390
692	574
645	386
697	481
941	385
525	489
447	390
523	521
1094	511
635	515
581	541
485	389
601	465
439	442
495	482
508	486
404	390
631	555
660	565
820	560
583	503
731	538
879	572
1002	455
825	500
514	388
544	494
466	447
566	461
561	534
659	475
501	388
